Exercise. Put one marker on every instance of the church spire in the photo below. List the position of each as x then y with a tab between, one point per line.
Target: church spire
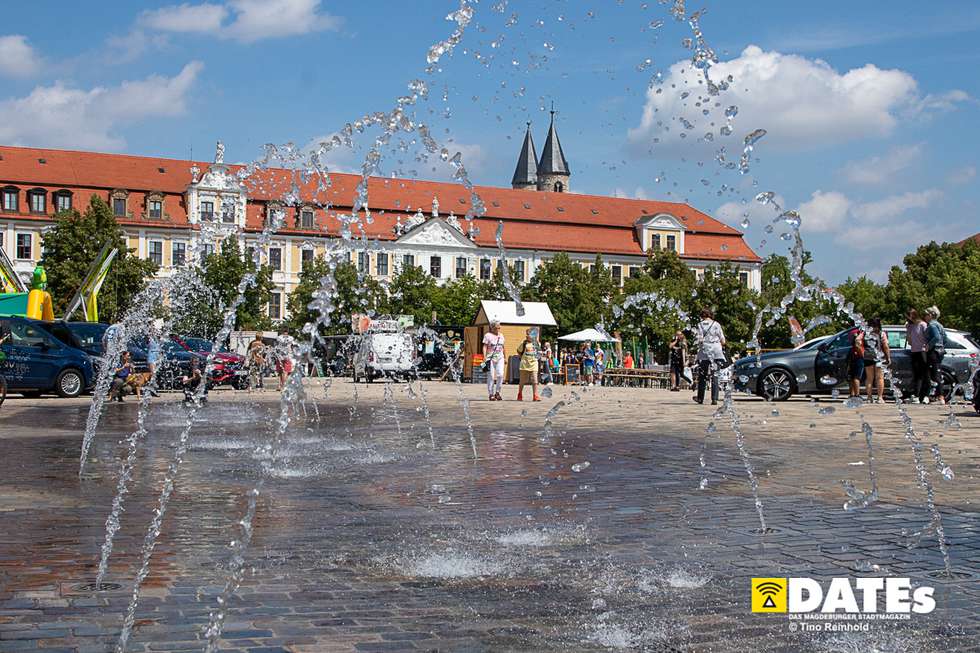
525	176
553	172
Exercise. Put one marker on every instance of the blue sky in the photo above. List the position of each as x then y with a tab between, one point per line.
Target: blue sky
870	108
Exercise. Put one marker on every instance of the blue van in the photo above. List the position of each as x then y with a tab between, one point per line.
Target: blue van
36	361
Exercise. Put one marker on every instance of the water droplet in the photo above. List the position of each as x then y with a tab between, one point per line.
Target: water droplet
801	378
828	380
581	467
731	111
827	410
546	393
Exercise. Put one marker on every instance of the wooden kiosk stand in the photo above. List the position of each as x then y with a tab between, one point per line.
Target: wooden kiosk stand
512	327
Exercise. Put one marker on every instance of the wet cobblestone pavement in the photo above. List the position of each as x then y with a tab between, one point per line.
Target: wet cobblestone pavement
367	539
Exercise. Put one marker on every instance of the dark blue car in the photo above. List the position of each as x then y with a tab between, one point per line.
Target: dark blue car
38	361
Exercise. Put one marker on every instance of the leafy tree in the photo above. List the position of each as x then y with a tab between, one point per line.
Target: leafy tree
603	289
223	272
73	243
564	285
353	295
722	291
458	301
412	292
869	298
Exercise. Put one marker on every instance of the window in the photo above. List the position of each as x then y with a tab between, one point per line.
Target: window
250	254
519	270
275	258
178	255
363	262
896	339
155	249
306	218
38	200
408	260
62	201
156	208
10	199
617	274
306	257
634	272
228	211
485	269
655	242
25	334
382	264
207	210
559	187
461	267
743	277
119	207
672	243
25	246
208	250
435	266
275	306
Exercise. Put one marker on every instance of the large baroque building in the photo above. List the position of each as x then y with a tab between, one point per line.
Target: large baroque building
165	205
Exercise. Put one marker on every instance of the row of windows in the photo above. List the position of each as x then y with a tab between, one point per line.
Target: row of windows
37	200
656	245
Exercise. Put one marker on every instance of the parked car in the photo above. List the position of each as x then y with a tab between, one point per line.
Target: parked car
36	361
385	354
227	367
90	338
819	369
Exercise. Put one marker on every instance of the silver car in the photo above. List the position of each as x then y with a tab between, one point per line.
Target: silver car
823	366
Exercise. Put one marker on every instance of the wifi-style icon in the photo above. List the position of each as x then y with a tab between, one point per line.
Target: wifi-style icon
768	595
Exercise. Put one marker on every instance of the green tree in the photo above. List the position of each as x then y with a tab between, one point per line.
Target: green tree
870	299
223	272
458	301
353	295
73	243
413	292
564	286
721	290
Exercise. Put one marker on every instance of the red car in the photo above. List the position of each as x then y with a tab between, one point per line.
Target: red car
228	367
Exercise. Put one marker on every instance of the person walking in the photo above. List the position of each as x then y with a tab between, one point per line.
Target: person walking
877	356
711	354
528	351
915	338
493	354
935	352
678	358
855	362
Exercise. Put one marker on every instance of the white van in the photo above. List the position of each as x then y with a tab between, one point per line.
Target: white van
385	354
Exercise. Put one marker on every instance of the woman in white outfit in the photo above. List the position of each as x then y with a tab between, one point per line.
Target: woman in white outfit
493	352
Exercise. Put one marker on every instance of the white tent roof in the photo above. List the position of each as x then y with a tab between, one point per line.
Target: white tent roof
593	335
535	313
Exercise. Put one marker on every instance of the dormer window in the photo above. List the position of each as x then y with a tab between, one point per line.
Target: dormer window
655	242
273	212
671	243
306	218
118	199
11	199
37	199
62	201
155	209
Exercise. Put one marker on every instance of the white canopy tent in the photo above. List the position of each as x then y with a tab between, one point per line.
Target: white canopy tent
591	335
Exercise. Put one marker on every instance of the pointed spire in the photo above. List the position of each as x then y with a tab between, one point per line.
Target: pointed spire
552	158
525	175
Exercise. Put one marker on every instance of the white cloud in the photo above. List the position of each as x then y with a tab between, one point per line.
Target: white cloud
881	224
895	205
185	18
17	57
640	193
879	169
802	103
245	21
62	116
962	175
733	213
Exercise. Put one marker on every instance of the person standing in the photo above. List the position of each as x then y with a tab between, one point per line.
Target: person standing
256	362
588	362
678	357
628	360
876	357
528	351
855	362
493	354
600	363
935	352
711	356
915	338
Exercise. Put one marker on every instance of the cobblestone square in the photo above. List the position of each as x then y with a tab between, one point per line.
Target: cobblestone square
579	526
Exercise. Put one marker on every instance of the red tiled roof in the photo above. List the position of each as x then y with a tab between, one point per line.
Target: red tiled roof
532	220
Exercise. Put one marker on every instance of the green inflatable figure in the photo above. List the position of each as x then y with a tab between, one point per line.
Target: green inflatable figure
40	279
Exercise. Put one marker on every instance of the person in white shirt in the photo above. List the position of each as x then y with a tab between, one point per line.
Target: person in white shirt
711	357
493	354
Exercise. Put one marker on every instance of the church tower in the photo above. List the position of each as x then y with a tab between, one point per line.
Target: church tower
552	173
525	176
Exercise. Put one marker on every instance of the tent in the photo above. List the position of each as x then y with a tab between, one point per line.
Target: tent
591	335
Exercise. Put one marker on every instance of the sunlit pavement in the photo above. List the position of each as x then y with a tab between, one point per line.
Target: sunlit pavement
368	538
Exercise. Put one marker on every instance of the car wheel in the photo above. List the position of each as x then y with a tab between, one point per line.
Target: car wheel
776	385
69	383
